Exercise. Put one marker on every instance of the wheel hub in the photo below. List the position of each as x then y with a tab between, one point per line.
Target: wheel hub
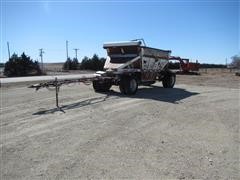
133	85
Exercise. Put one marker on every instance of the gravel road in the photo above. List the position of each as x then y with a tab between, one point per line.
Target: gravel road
187	132
4	81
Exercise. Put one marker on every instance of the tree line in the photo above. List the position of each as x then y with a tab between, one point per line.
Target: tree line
23	65
176	65
95	63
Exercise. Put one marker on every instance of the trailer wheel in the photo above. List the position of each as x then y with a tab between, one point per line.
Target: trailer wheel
169	80
121	86
101	86
128	85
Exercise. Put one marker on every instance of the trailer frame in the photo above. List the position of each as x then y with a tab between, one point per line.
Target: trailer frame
128	65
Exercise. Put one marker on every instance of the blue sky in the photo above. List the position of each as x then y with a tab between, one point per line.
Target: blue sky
204	30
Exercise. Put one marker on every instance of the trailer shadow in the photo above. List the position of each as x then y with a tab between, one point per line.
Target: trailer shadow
171	95
79	104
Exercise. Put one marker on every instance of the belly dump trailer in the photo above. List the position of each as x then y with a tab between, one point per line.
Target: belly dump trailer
128	65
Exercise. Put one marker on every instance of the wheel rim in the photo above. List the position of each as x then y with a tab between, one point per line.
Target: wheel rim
133	85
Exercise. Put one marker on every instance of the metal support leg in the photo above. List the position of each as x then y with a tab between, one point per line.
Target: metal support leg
57	87
57	90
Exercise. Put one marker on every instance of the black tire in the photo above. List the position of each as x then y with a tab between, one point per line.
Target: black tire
128	85
122	86
169	80
101	86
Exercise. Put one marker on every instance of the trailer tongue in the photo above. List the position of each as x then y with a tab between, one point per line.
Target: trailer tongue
57	83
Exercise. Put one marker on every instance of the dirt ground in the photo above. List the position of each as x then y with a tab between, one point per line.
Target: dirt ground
212	78
188	132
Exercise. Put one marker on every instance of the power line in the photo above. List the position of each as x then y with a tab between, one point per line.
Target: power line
67	49
41	55
8	50
76	51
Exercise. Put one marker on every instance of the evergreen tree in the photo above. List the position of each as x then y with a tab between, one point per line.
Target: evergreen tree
21	66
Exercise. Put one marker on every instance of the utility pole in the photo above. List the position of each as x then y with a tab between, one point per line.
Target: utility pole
41	55
67	49
76	51
8	50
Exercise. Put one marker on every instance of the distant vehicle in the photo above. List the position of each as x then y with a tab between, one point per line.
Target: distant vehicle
185	65
130	64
